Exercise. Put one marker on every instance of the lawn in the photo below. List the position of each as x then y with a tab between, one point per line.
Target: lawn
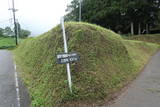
7	42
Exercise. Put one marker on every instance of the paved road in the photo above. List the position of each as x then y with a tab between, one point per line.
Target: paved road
145	90
8	93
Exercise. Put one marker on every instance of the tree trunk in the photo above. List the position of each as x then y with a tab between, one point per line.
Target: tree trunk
147	28
132	28
139	28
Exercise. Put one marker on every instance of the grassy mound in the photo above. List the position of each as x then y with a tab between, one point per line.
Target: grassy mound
105	65
153	38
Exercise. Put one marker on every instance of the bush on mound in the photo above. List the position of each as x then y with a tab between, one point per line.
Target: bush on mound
104	67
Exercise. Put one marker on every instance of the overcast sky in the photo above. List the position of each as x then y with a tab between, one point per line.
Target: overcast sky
38	16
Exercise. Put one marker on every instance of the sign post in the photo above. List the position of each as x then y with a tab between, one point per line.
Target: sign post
66	51
64	58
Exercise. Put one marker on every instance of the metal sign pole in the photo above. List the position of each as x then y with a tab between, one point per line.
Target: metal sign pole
66	51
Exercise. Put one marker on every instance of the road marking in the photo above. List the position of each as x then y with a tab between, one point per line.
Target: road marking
17	86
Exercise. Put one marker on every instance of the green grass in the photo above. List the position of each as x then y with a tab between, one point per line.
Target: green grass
107	63
153	38
140	51
7	42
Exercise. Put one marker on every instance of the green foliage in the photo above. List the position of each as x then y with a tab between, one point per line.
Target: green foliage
104	68
1	32
115	14
8	31
24	33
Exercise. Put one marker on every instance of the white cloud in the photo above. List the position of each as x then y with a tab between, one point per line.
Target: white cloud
36	15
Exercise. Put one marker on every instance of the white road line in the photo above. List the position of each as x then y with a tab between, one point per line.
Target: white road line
17	86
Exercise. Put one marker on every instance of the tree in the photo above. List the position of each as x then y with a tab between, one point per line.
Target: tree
24	33
101	12
1	32
106	13
117	14
8	31
73	11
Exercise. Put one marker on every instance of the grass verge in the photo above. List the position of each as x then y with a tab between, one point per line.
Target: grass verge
153	38
7	43
140	51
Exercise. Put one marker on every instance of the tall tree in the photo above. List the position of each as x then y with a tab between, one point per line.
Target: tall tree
8	31
1	32
22	33
116	14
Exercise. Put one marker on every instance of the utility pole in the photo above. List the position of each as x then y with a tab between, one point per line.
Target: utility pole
14	19
17	23
80	10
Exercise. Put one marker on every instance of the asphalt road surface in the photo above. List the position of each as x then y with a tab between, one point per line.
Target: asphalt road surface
145	90
8	93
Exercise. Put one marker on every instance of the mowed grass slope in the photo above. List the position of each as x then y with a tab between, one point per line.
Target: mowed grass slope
106	65
141	51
